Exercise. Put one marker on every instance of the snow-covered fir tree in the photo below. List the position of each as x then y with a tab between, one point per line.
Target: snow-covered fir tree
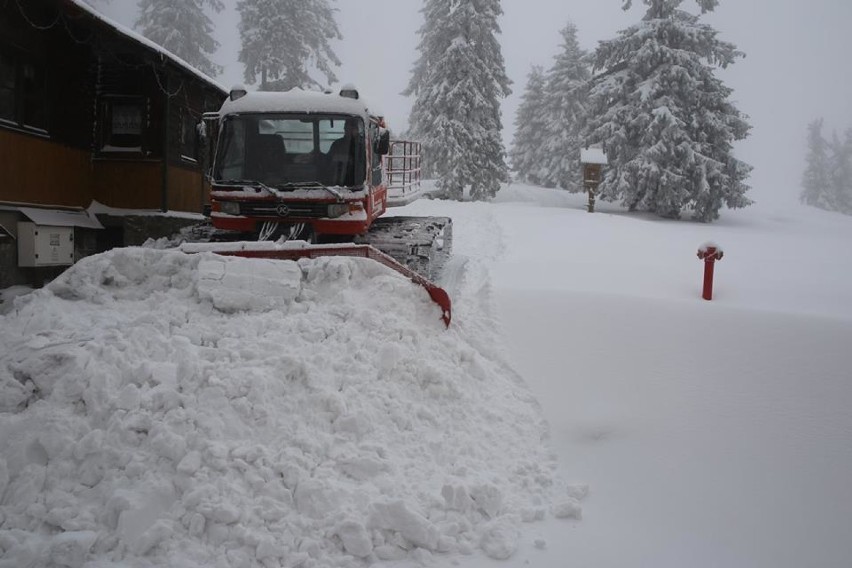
664	117
526	153
840	171
458	82
183	28
827	180
817	190
565	95
285	43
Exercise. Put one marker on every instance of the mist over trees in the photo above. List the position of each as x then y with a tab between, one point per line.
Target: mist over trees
827	180
458	82
527	151
286	43
183	28
548	137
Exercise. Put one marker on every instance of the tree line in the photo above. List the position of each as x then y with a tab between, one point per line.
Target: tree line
284	43
827	180
650	96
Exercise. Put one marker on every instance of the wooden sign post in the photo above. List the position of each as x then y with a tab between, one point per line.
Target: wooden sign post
593	160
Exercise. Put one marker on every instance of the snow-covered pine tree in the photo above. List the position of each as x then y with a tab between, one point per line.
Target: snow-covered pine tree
183	28
665	119
526	154
285	41
458	82
565	95
840	173
817	187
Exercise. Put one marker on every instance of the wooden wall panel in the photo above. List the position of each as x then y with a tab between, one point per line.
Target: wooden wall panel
127	184
185	190
36	170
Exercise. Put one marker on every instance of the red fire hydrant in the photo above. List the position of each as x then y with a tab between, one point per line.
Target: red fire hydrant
710	253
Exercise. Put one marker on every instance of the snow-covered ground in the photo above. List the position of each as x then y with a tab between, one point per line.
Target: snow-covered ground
164	409
710	433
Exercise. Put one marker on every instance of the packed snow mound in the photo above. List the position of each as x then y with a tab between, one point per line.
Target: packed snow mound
159	408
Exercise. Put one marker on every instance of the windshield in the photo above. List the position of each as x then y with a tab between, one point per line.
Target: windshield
290	150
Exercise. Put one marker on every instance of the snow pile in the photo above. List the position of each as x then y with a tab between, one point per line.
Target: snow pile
7	295
159	408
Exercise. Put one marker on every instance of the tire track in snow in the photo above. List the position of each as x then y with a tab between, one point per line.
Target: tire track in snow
478	244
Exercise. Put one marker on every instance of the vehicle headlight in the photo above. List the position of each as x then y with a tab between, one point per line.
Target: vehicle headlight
338	209
229	207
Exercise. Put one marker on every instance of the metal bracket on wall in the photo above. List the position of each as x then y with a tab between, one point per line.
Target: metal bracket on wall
4	232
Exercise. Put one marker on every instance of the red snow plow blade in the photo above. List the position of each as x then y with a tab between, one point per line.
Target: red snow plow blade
295	251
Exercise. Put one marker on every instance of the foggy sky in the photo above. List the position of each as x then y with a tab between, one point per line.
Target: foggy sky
796	67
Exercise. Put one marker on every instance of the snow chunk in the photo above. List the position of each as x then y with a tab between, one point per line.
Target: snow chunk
568	509
237	284
356	539
500	539
412	526
69	549
316	500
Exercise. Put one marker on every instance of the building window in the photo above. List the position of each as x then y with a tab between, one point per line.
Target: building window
8	79
189	138
122	119
34	96
23	93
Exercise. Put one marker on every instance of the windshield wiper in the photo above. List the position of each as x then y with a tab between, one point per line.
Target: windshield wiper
297	184
310	184
244	182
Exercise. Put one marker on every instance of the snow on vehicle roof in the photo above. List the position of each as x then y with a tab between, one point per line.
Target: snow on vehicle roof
148	43
295	100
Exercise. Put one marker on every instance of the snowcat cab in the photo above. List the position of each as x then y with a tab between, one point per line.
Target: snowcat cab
305	165
314	167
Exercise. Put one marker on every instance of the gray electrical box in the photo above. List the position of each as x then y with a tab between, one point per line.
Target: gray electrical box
40	245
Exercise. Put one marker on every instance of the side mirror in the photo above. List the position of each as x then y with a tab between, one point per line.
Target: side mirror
383	146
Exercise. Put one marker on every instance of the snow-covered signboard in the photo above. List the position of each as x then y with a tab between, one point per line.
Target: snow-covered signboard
593	155
593	160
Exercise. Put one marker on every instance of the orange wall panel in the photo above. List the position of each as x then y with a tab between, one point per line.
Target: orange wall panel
38	171
186	192
127	184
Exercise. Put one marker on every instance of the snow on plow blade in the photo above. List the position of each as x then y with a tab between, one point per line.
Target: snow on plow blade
299	249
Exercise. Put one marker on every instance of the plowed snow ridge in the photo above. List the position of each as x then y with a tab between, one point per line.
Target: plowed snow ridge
158	408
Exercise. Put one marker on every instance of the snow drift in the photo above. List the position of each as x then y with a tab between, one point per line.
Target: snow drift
159	408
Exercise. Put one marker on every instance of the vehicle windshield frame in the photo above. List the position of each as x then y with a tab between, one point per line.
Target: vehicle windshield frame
289	150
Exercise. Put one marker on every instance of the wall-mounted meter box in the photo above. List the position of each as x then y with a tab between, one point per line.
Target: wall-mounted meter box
40	245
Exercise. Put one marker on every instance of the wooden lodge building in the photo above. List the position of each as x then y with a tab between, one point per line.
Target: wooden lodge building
99	138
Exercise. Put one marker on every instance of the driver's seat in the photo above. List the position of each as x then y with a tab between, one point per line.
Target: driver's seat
266	157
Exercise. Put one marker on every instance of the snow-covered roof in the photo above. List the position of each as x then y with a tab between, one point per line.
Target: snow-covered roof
98	208
56	217
138	38
59	218
296	100
593	156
